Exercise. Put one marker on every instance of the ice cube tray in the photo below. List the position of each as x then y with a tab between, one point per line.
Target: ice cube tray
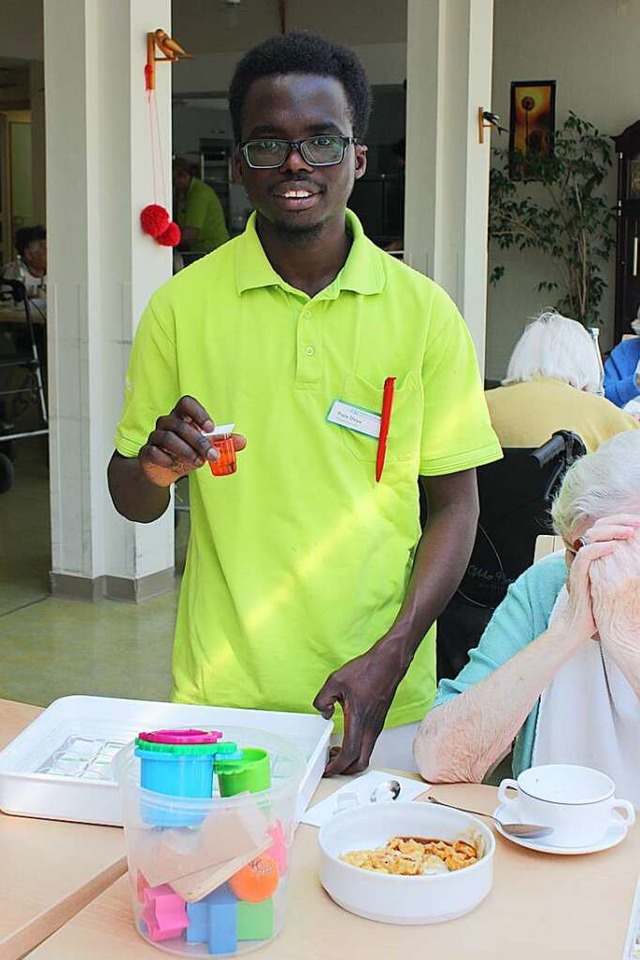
59	767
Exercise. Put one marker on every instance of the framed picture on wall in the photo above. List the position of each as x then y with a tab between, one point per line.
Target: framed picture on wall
532	126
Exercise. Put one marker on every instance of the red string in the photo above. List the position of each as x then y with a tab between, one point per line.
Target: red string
153	151
160	154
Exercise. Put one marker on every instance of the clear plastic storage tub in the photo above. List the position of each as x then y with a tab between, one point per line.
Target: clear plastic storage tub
214	880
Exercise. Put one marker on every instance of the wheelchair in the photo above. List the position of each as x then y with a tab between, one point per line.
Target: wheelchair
515	496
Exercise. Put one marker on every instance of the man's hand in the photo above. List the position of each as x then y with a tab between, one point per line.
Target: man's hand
177	446
139	486
365	688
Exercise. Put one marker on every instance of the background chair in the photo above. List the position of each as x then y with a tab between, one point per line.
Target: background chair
515	498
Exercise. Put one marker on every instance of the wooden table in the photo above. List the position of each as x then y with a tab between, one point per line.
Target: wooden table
17	315
540	906
48	870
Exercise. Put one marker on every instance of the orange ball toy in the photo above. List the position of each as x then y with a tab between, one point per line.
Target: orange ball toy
257	881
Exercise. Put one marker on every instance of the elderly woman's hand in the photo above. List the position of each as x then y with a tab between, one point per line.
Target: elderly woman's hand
615	593
599	541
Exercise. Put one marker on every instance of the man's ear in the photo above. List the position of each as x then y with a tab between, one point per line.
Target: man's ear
236	166
361	159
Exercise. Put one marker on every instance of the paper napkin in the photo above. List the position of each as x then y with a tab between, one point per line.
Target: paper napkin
358	793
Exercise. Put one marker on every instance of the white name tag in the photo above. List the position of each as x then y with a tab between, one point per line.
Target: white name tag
354	418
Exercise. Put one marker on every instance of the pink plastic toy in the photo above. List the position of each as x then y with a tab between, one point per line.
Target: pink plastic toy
278	849
164	913
141	885
189	737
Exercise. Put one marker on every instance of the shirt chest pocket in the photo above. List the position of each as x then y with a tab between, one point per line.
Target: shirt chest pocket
405	425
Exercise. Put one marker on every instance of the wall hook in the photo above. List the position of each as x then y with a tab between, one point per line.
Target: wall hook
487	120
160	41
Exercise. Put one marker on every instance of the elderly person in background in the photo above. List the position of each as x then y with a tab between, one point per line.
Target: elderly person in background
553	383
558	667
30	265
622	372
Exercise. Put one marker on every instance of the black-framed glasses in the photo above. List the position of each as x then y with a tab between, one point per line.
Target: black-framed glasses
324	150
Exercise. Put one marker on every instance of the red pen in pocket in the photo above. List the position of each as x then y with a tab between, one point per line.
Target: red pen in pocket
385	420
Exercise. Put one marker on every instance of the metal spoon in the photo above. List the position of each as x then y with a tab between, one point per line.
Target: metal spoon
530	830
389	790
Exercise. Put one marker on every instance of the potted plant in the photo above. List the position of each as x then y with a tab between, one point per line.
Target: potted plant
558	207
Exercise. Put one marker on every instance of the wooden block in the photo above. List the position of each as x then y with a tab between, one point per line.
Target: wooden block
165	855
198	885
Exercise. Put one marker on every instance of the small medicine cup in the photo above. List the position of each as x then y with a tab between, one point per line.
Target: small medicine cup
221	438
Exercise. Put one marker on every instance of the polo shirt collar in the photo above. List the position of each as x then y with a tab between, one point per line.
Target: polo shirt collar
362	272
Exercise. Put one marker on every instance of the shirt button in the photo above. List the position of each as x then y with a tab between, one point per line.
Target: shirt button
307	315
309	351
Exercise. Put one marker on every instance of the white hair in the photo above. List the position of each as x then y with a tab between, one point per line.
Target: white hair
559	348
635	326
600	484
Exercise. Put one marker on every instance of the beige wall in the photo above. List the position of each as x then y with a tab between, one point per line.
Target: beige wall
590	47
21	33
38	142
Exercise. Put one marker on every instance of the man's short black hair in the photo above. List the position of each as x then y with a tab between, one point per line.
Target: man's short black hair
302	53
26	235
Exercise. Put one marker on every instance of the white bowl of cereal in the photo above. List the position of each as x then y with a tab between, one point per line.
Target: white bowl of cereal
414	879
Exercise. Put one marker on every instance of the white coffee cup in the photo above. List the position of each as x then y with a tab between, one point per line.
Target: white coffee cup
577	802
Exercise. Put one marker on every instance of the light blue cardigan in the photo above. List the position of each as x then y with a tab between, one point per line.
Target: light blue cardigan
521	617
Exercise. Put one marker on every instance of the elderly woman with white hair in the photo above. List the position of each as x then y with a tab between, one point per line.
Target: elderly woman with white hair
622	372
558	667
554	382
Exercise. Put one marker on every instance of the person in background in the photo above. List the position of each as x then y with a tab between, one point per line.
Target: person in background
30	268
30	265
197	211
622	372
558	667
309	582
553	383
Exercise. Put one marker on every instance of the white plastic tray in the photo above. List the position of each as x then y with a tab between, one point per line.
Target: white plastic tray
89	794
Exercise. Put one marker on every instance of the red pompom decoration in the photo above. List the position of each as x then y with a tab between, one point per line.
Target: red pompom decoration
154	219
171	236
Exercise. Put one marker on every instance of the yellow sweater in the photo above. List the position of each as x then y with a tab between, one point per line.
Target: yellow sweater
526	414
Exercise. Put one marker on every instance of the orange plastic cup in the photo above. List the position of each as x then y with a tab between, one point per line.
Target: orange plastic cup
226	463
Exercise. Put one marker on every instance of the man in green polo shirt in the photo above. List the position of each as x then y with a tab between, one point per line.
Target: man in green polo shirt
198	211
308	582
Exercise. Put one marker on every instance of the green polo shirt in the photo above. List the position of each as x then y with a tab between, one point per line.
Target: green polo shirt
201	208
300	560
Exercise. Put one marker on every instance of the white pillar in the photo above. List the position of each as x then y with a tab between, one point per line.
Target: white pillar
449	51
101	271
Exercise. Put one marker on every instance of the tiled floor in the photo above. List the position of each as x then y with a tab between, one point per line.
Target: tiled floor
51	647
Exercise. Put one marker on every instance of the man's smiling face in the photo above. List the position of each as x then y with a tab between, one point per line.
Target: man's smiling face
297	199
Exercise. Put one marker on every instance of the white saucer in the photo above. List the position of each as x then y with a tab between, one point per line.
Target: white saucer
614	835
